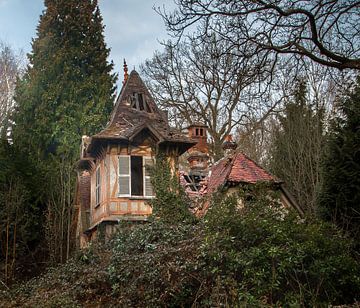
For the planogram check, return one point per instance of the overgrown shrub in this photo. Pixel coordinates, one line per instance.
(171, 203)
(252, 253)
(153, 264)
(277, 258)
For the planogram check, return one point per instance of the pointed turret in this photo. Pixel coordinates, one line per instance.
(136, 113)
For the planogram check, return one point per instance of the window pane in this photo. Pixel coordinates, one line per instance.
(124, 165)
(124, 187)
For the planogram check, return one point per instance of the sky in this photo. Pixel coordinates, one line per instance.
(132, 28)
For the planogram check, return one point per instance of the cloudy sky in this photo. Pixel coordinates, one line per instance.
(133, 29)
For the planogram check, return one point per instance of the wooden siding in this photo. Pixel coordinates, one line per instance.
(111, 206)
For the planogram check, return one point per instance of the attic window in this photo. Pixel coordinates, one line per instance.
(138, 102)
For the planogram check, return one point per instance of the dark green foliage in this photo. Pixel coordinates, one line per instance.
(253, 255)
(171, 203)
(67, 90)
(276, 258)
(153, 265)
(297, 148)
(80, 282)
(340, 194)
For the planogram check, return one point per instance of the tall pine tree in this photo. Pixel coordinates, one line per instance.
(340, 194)
(67, 91)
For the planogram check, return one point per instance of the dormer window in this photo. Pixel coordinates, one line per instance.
(138, 102)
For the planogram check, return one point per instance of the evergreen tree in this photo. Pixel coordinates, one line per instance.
(339, 198)
(297, 146)
(68, 88)
(66, 92)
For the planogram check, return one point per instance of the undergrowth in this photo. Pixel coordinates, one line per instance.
(240, 255)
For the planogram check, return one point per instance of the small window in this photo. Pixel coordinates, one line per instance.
(98, 186)
(140, 99)
(201, 132)
(196, 132)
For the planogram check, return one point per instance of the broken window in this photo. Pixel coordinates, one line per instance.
(138, 102)
(134, 176)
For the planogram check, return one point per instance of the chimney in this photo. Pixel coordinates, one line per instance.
(199, 153)
(229, 145)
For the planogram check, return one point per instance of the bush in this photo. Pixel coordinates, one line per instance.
(277, 258)
(171, 203)
(152, 264)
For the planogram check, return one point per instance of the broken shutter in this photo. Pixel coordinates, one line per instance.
(148, 190)
(124, 175)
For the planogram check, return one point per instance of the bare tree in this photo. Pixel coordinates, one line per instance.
(60, 211)
(10, 68)
(13, 199)
(198, 81)
(326, 32)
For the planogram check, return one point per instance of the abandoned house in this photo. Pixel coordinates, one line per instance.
(113, 182)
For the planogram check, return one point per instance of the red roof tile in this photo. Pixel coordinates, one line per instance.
(237, 168)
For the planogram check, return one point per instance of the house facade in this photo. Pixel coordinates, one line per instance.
(113, 178)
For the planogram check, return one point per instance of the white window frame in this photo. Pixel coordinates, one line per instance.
(145, 177)
(97, 186)
(124, 175)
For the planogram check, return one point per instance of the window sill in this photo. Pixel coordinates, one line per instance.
(136, 197)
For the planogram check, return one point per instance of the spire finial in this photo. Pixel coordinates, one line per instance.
(126, 75)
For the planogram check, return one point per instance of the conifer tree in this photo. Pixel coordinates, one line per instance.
(339, 198)
(68, 88)
(67, 91)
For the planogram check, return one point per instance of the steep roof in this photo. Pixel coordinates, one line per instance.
(237, 168)
(135, 110)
